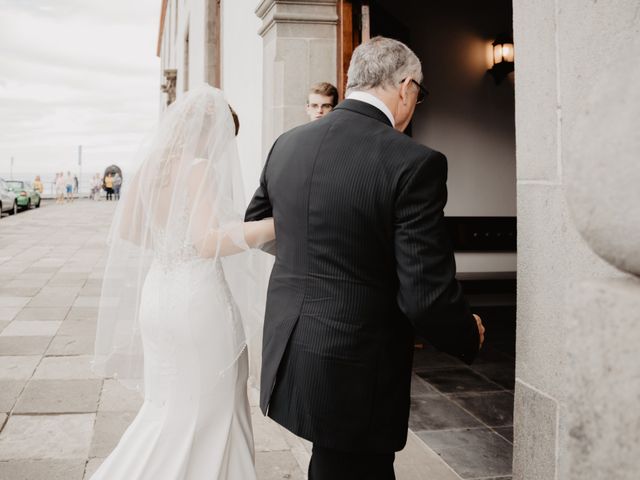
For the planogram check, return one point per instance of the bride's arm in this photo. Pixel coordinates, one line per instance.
(222, 244)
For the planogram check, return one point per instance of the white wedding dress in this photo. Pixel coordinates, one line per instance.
(176, 310)
(195, 421)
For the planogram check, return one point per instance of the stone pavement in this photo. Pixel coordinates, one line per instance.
(58, 420)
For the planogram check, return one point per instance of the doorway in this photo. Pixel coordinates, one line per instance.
(464, 413)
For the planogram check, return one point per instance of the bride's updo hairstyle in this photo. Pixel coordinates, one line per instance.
(236, 120)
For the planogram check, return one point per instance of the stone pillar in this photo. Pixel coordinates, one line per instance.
(299, 38)
(577, 118)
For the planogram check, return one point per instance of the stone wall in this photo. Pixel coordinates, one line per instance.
(577, 118)
(299, 50)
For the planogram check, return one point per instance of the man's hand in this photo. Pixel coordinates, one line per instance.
(480, 328)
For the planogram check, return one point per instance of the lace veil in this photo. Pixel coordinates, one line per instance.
(185, 203)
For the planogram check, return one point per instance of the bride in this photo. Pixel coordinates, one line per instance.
(176, 310)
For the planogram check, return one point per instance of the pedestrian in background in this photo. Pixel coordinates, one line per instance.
(69, 187)
(60, 187)
(117, 183)
(96, 186)
(37, 185)
(76, 186)
(108, 186)
(322, 98)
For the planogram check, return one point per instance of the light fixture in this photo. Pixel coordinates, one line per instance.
(503, 58)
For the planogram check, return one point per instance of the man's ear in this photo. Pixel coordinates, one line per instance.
(404, 90)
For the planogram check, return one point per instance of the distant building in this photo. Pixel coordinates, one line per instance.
(557, 152)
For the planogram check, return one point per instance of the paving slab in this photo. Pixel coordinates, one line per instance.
(71, 345)
(82, 313)
(277, 466)
(46, 437)
(59, 396)
(13, 290)
(85, 302)
(118, 398)
(266, 433)
(65, 368)
(78, 328)
(8, 313)
(52, 300)
(42, 470)
(35, 328)
(92, 466)
(23, 345)
(18, 367)
(13, 301)
(49, 314)
(109, 428)
(9, 392)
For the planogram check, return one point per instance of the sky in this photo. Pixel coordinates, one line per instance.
(76, 72)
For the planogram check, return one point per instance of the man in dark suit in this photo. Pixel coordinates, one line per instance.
(363, 263)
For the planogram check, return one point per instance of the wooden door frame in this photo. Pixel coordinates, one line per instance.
(349, 37)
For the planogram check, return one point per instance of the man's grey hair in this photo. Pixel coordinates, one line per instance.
(382, 62)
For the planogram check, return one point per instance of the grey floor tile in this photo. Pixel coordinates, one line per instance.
(420, 387)
(505, 432)
(429, 357)
(3, 324)
(473, 453)
(82, 313)
(31, 329)
(436, 412)
(51, 314)
(52, 300)
(18, 367)
(59, 396)
(452, 380)
(65, 368)
(42, 470)
(23, 345)
(277, 466)
(63, 437)
(108, 430)
(495, 409)
(8, 313)
(78, 328)
(14, 301)
(71, 345)
(92, 466)
(13, 290)
(9, 392)
(116, 397)
(500, 373)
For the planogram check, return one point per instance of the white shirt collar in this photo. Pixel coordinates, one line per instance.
(375, 101)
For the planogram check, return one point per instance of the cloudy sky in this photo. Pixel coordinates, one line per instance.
(76, 72)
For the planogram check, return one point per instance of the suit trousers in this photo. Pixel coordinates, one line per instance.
(328, 464)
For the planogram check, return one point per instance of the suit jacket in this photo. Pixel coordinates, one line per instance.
(363, 262)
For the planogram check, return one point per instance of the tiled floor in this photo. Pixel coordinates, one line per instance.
(465, 413)
(57, 419)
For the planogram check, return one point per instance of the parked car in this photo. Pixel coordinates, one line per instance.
(26, 195)
(8, 201)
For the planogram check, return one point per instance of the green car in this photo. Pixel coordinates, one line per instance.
(26, 195)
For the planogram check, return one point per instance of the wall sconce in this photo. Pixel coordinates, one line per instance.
(503, 58)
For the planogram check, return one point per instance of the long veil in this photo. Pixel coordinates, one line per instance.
(184, 204)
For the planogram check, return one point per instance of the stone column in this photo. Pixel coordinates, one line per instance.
(299, 38)
(577, 118)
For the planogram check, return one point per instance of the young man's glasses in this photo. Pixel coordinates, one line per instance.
(422, 92)
(325, 107)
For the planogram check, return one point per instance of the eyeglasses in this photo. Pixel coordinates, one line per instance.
(422, 92)
(325, 107)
